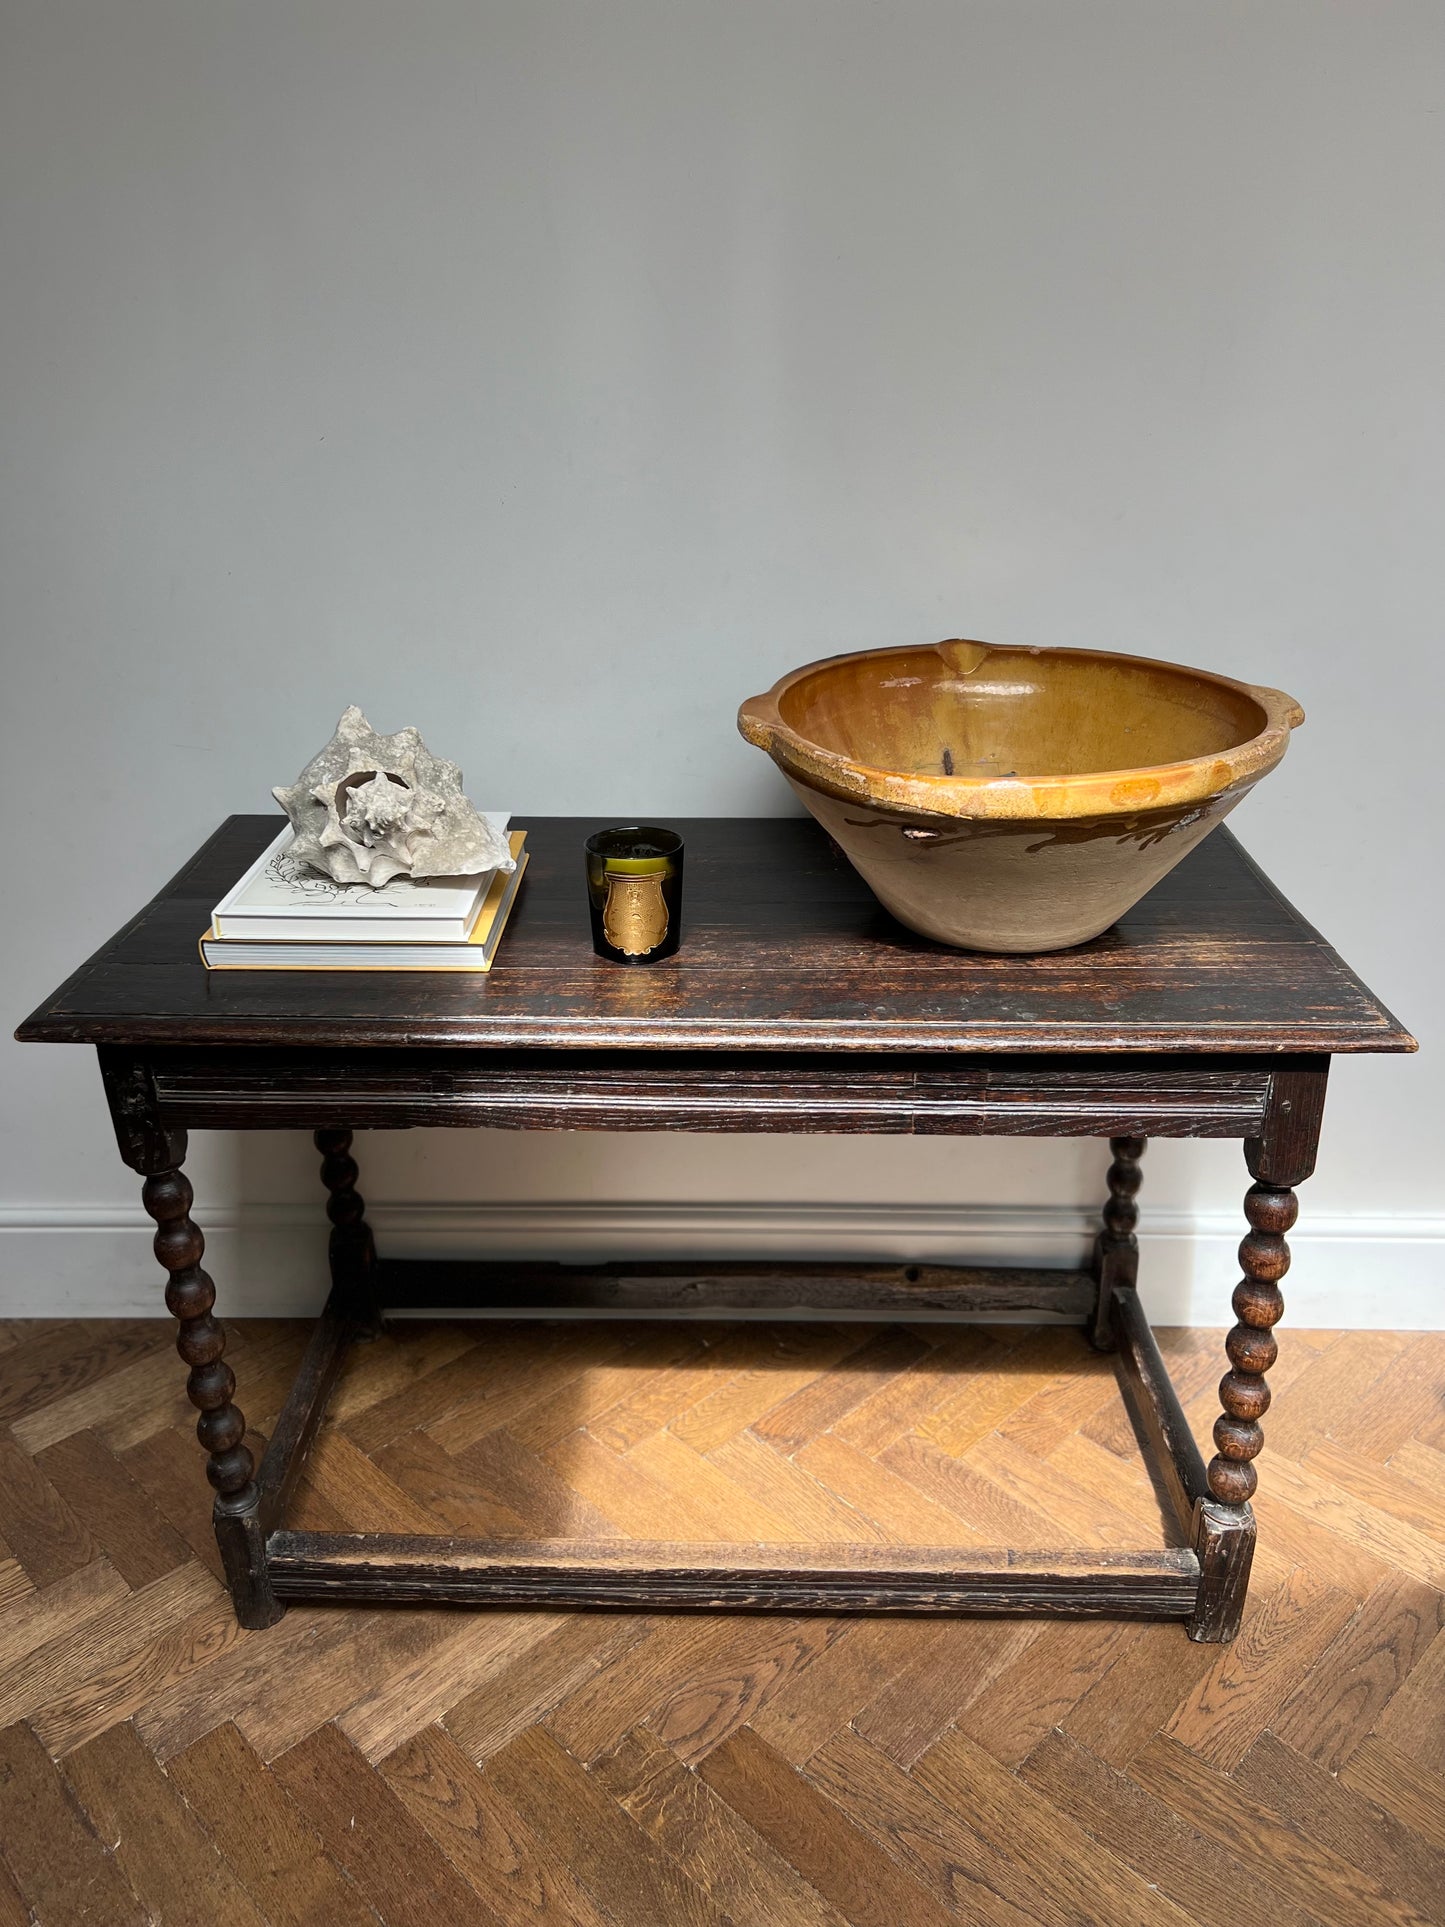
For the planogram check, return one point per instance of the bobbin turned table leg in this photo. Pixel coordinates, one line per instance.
(1116, 1249)
(1224, 1523)
(221, 1427)
(157, 1150)
(351, 1249)
(1258, 1305)
(1224, 1528)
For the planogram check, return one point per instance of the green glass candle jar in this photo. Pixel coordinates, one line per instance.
(634, 892)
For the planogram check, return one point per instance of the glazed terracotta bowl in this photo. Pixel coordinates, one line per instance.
(1015, 799)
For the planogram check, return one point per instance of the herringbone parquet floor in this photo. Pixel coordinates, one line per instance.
(437, 1768)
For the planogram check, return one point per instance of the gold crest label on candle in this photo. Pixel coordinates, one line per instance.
(634, 919)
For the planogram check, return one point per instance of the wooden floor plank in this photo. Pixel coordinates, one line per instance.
(494, 1358)
(734, 1865)
(59, 1863)
(539, 1679)
(132, 1673)
(951, 1664)
(943, 1374)
(164, 1466)
(1389, 1541)
(1407, 1396)
(515, 1870)
(280, 1664)
(119, 1514)
(691, 1678)
(464, 1659)
(1293, 1533)
(52, 1358)
(635, 1503)
(124, 1405)
(1413, 1720)
(105, 1640)
(1083, 1386)
(513, 1476)
(653, 1398)
(790, 1358)
(603, 1844)
(14, 1911)
(724, 1688)
(360, 1491)
(534, 1383)
(1281, 1637)
(275, 1853)
(1076, 1514)
(973, 1833)
(42, 1617)
(40, 1527)
(289, 1705)
(390, 1368)
(1038, 1688)
(1308, 1869)
(622, 1368)
(15, 1585)
(857, 1877)
(160, 1845)
(1337, 1702)
(1313, 1802)
(895, 1508)
(1420, 1463)
(1332, 1385)
(448, 1488)
(392, 1860)
(817, 1702)
(1202, 1877)
(1123, 1485)
(1416, 1502)
(608, 1701)
(1022, 1365)
(814, 1514)
(1152, 1675)
(1000, 1518)
(731, 1510)
(818, 1406)
(1400, 1786)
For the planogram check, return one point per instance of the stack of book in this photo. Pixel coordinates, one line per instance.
(282, 915)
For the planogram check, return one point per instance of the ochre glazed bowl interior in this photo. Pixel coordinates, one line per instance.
(1016, 799)
(965, 710)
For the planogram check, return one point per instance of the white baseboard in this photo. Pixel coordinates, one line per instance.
(269, 1260)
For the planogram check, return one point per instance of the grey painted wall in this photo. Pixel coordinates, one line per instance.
(553, 375)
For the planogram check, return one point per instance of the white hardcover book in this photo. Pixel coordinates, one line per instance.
(279, 899)
(476, 954)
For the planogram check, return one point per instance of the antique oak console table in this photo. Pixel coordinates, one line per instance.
(796, 1004)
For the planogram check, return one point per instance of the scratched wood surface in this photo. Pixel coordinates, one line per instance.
(157, 1764)
(784, 948)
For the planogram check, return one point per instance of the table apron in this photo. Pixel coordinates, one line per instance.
(708, 1092)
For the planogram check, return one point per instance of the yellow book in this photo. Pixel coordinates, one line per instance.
(249, 953)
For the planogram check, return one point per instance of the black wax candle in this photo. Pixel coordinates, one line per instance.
(634, 893)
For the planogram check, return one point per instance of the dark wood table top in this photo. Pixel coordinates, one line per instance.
(784, 948)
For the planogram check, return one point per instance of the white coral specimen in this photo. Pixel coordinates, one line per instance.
(368, 808)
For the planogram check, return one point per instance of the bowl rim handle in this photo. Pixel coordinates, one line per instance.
(1277, 704)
